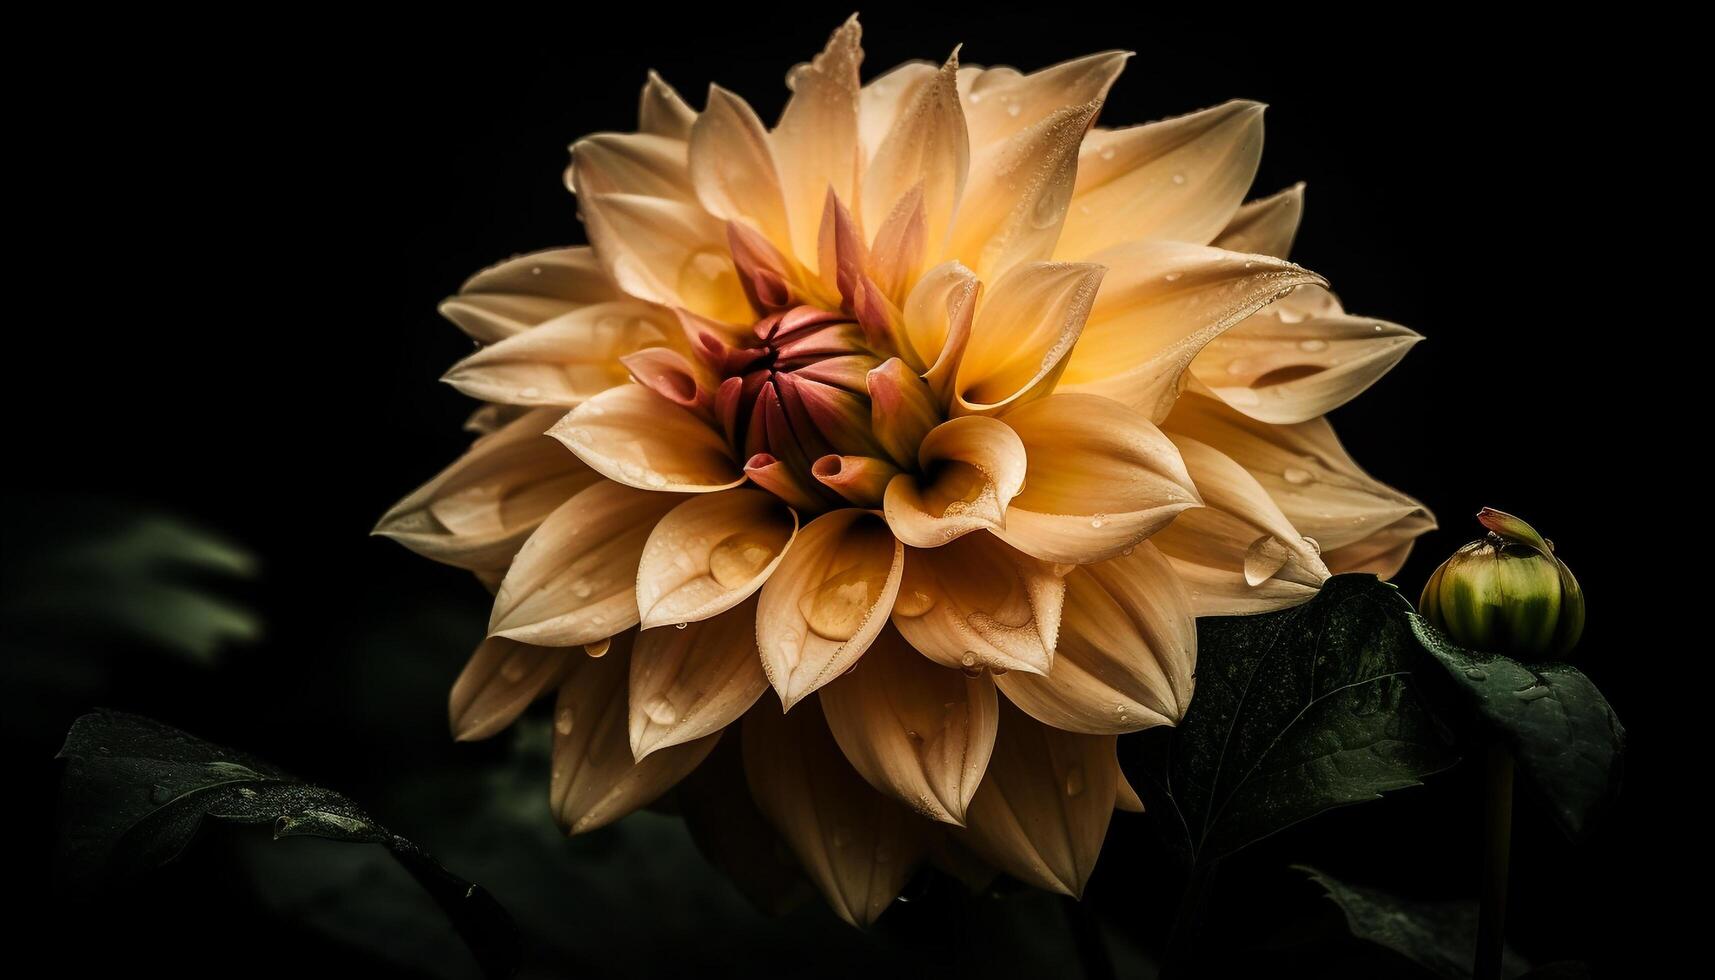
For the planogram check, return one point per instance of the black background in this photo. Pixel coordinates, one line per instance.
(242, 242)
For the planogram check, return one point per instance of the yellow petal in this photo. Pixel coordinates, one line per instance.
(937, 315)
(826, 602)
(501, 679)
(1237, 554)
(1015, 201)
(565, 360)
(1301, 357)
(1043, 808)
(977, 604)
(475, 513)
(885, 97)
(595, 781)
(521, 292)
(1102, 478)
(1000, 102)
(1125, 797)
(857, 845)
(1160, 304)
(1128, 645)
(733, 169)
(1382, 553)
(1265, 226)
(633, 436)
(917, 731)
(574, 581)
(1023, 334)
(926, 151)
(632, 163)
(691, 682)
(662, 112)
(1179, 179)
(710, 553)
(816, 143)
(665, 251)
(969, 470)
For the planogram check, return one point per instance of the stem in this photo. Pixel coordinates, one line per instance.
(1497, 852)
(1087, 937)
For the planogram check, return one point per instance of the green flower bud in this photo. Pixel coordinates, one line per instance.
(1506, 593)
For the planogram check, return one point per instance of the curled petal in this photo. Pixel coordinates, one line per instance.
(925, 151)
(826, 602)
(694, 681)
(565, 360)
(662, 111)
(861, 480)
(1301, 357)
(1043, 808)
(633, 436)
(674, 377)
(574, 581)
(1265, 226)
(977, 604)
(595, 780)
(1237, 554)
(917, 731)
(1024, 334)
(665, 251)
(902, 410)
(501, 679)
(783, 481)
(477, 511)
(969, 470)
(732, 167)
(857, 845)
(709, 554)
(513, 296)
(937, 320)
(1128, 645)
(816, 143)
(1102, 478)
(1161, 303)
(1179, 180)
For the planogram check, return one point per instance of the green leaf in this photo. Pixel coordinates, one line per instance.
(135, 793)
(1296, 712)
(1566, 740)
(1441, 937)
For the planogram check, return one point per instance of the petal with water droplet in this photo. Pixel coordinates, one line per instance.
(1265, 226)
(566, 360)
(978, 604)
(691, 682)
(632, 435)
(968, 470)
(733, 168)
(514, 296)
(711, 553)
(816, 143)
(1024, 331)
(502, 678)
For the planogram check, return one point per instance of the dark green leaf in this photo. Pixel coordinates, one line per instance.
(1441, 937)
(1296, 712)
(1566, 740)
(135, 793)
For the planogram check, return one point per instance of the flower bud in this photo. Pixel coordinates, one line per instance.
(1506, 593)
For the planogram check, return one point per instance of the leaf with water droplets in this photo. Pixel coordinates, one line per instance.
(135, 793)
(1296, 712)
(1568, 743)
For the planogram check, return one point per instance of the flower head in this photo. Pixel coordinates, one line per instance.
(935, 408)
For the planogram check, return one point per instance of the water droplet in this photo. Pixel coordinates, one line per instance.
(914, 736)
(968, 660)
(512, 671)
(913, 602)
(530, 392)
(1172, 276)
(535, 270)
(1099, 521)
(1179, 178)
(563, 721)
(661, 711)
(1075, 780)
(1312, 345)
(1476, 673)
(1312, 544)
(1297, 476)
(680, 626)
(1014, 109)
(1107, 153)
(582, 589)
(1533, 693)
(739, 558)
(1265, 556)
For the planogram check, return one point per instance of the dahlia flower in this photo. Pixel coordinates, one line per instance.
(936, 408)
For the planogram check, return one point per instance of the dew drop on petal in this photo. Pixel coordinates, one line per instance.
(839, 608)
(1298, 476)
(661, 711)
(513, 670)
(1312, 345)
(740, 557)
(1075, 780)
(1265, 556)
(563, 721)
(1179, 178)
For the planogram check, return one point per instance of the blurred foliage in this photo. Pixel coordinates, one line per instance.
(1437, 936)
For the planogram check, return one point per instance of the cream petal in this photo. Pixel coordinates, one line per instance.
(662, 112)
(826, 602)
(1015, 200)
(881, 102)
(937, 318)
(691, 682)
(1382, 553)
(968, 470)
(1043, 808)
(1318, 486)
(633, 436)
(1125, 797)
(896, 257)
(665, 251)
(816, 143)
(574, 581)
(1000, 102)
(1024, 333)
(477, 512)
(1179, 179)
(917, 731)
(565, 360)
(493, 418)
(733, 168)
(1159, 305)
(977, 604)
(1237, 554)
(518, 294)
(710, 553)
(1265, 226)
(595, 780)
(860, 480)
(1102, 478)
(925, 151)
(632, 163)
(1300, 358)
(502, 678)
(1128, 645)
(857, 845)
